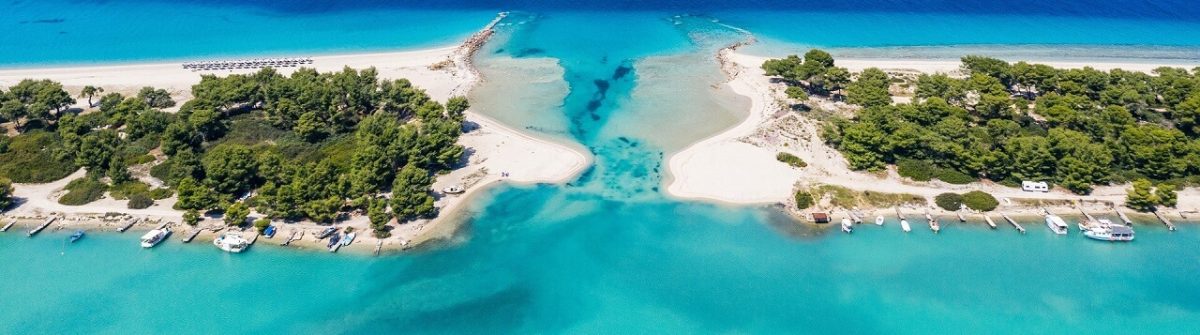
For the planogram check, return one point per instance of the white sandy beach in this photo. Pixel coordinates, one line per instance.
(739, 165)
(495, 148)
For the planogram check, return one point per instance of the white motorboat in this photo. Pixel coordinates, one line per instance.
(1056, 224)
(904, 225)
(231, 242)
(1111, 232)
(454, 189)
(348, 238)
(879, 220)
(154, 237)
(847, 225)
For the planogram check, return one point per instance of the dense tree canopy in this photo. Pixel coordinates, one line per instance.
(304, 146)
(1011, 122)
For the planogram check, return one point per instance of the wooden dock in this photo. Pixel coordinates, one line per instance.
(853, 218)
(1089, 217)
(9, 225)
(1124, 218)
(296, 236)
(128, 225)
(191, 236)
(989, 221)
(1165, 221)
(42, 226)
(378, 247)
(1013, 223)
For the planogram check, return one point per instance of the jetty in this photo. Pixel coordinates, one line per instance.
(128, 224)
(253, 238)
(191, 236)
(39, 228)
(378, 247)
(9, 225)
(1124, 218)
(1165, 221)
(1013, 223)
(1089, 217)
(296, 236)
(853, 217)
(989, 221)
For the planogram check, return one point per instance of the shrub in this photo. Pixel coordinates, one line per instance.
(795, 92)
(915, 169)
(261, 224)
(980, 201)
(949, 201)
(5, 193)
(791, 159)
(83, 191)
(953, 176)
(30, 158)
(161, 193)
(140, 201)
(804, 200)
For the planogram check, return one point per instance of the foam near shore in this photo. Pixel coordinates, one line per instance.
(497, 153)
(739, 164)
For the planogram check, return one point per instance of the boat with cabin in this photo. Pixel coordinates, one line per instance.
(231, 242)
(333, 240)
(1056, 224)
(1111, 232)
(454, 189)
(847, 225)
(904, 225)
(270, 231)
(76, 236)
(154, 237)
(879, 220)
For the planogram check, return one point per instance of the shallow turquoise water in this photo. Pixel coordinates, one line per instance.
(608, 252)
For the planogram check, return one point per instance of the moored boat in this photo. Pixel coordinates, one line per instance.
(270, 231)
(1111, 232)
(348, 239)
(1056, 224)
(154, 237)
(76, 236)
(327, 232)
(231, 242)
(333, 240)
(847, 225)
(904, 225)
(454, 189)
(934, 226)
(879, 220)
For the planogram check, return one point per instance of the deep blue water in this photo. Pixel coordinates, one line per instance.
(607, 252)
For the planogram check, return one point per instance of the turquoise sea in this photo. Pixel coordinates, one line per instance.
(608, 252)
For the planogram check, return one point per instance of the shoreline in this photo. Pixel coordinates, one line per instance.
(443, 72)
(738, 165)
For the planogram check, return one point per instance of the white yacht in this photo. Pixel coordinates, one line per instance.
(154, 237)
(1056, 224)
(231, 242)
(847, 225)
(1111, 232)
(879, 220)
(904, 225)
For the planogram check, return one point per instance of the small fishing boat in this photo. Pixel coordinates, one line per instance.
(879, 220)
(847, 225)
(76, 236)
(934, 226)
(270, 231)
(1056, 224)
(231, 242)
(348, 239)
(327, 232)
(454, 189)
(154, 237)
(904, 225)
(333, 240)
(1111, 232)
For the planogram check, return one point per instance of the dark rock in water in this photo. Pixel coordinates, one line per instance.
(602, 85)
(499, 51)
(621, 72)
(45, 21)
(592, 106)
(623, 139)
(529, 51)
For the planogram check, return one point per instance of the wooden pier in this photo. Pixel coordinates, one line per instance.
(254, 238)
(989, 221)
(296, 236)
(9, 225)
(128, 225)
(1013, 223)
(1124, 218)
(378, 247)
(191, 236)
(853, 218)
(42, 226)
(1165, 221)
(1089, 217)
